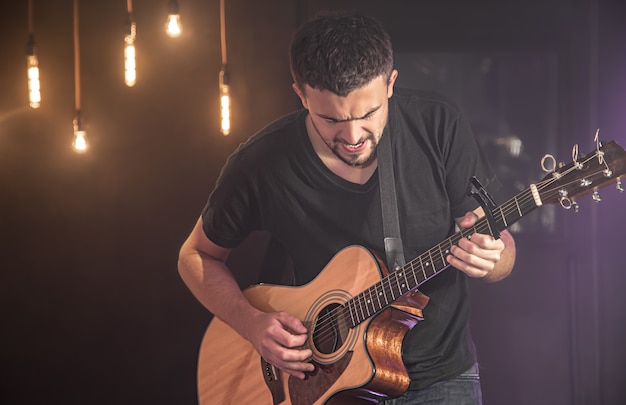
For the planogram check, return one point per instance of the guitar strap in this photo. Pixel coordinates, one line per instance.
(391, 224)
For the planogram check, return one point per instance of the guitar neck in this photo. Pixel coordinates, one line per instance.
(432, 262)
(607, 164)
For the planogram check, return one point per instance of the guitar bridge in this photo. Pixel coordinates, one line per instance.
(273, 380)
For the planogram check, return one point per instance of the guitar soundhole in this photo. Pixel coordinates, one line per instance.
(330, 330)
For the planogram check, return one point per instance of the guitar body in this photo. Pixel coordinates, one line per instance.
(363, 364)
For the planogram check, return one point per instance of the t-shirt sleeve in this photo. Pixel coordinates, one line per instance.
(230, 214)
(464, 158)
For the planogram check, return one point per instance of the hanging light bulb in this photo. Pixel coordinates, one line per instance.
(224, 77)
(224, 102)
(79, 142)
(130, 66)
(32, 63)
(173, 26)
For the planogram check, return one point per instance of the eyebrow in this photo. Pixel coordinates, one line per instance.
(370, 112)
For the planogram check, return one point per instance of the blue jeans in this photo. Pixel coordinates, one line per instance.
(464, 389)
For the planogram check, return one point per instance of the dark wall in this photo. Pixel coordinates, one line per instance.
(92, 308)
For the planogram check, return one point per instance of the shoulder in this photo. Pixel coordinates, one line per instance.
(425, 101)
(271, 141)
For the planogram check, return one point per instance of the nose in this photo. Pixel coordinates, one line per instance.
(352, 132)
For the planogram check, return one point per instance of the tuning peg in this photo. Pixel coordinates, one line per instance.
(596, 196)
(619, 186)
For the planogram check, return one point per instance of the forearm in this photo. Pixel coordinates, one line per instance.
(212, 283)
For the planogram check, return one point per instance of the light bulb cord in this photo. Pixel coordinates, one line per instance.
(31, 23)
(223, 32)
(76, 59)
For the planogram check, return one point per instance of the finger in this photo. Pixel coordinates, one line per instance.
(283, 336)
(470, 270)
(291, 323)
(292, 361)
(470, 260)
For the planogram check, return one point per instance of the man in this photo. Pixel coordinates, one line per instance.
(310, 179)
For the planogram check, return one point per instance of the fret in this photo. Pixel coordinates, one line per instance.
(406, 281)
(364, 305)
(352, 314)
(355, 307)
(447, 251)
(398, 287)
(430, 263)
(368, 302)
(414, 275)
(361, 307)
(422, 267)
(489, 226)
(503, 217)
(380, 305)
(383, 293)
(391, 291)
(443, 260)
(519, 210)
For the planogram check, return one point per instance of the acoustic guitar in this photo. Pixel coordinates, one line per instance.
(358, 318)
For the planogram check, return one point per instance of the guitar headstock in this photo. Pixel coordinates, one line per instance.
(586, 174)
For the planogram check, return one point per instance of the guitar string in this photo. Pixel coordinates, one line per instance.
(388, 281)
(328, 327)
(510, 207)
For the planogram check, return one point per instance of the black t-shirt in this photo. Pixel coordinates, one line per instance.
(275, 182)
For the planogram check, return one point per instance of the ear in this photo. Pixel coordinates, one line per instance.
(392, 80)
(301, 95)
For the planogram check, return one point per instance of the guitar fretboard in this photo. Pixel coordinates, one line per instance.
(592, 171)
(414, 273)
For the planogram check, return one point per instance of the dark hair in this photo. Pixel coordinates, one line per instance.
(340, 52)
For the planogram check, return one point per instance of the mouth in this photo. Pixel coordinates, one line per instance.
(354, 148)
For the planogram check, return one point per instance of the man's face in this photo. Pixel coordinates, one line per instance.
(350, 126)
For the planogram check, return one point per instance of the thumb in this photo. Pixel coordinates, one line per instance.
(468, 220)
(292, 324)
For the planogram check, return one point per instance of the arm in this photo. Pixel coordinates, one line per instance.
(482, 256)
(277, 336)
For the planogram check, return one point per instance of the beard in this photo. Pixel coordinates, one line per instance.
(359, 159)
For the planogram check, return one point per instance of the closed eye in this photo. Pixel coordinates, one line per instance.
(331, 120)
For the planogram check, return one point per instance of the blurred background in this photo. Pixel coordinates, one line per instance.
(91, 306)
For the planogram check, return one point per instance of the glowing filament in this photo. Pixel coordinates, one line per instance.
(79, 143)
(224, 104)
(173, 27)
(34, 93)
(130, 72)
(225, 113)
